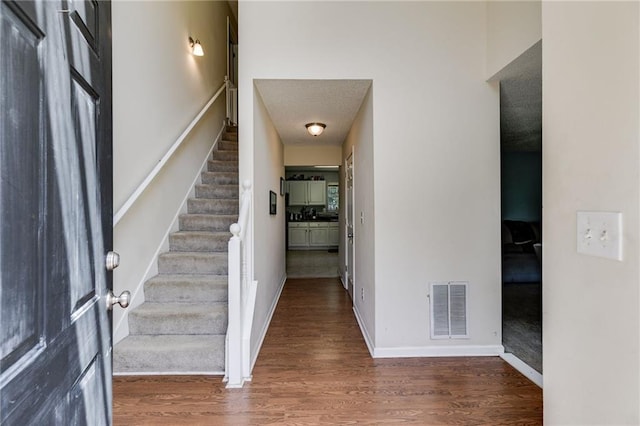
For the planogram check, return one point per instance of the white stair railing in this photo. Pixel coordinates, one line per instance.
(165, 158)
(232, 102)
(242, 296)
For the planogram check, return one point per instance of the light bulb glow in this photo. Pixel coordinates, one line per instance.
(197, 49)
(315, 129)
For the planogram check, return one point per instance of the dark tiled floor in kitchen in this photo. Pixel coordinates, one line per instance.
(312, 264)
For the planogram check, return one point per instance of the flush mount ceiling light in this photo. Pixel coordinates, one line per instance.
(196, 47)
(315, 129)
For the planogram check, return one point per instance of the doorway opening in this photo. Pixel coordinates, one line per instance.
(312, 202)
(521, 207)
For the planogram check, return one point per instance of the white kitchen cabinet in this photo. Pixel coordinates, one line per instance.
(298, 235)
(334, 234)
(298, 193)
(307, 193)
(310, 235)
(317, 193)
(318, 234)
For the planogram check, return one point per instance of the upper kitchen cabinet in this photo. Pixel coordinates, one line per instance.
(317, 193)
(307, 193)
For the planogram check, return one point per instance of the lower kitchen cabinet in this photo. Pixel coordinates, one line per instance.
(318, 234)
(334, 234)
(309, 235)
(298, 235)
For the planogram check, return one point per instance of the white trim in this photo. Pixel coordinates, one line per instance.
(170, 373)
(438, 351)
(121, 330)
(165, 158)
(523, 368)
(263, 332)
(363, 330)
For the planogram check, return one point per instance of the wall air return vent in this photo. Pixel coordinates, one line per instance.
(448, 306)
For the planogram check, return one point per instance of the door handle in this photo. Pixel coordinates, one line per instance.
(122, 300)
(350, 235)
(112, 261)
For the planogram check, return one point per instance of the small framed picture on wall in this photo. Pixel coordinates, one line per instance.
(273, 198)
(281, 186)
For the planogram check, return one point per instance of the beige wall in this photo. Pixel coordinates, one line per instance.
(512, 27)
(158, 88)
(312, 155)
(435, 158)
(359, 142)
(269, 230)
(591, 147)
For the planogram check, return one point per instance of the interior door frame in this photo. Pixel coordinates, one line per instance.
(350, 254)
(232, 39)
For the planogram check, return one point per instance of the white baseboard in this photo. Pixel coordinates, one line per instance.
(425, 351)
(263, 332)
(523, 368)
(438, 351)
(365, 334)
(342, 280)
(121, 329)
(171, 373)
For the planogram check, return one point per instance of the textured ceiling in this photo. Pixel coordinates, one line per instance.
(294, 103)
(521, 102)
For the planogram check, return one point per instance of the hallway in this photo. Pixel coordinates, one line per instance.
(314, 368)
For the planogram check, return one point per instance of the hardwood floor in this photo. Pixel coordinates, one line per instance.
(314, 368)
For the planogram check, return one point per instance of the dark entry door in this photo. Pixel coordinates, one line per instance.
(55, 212)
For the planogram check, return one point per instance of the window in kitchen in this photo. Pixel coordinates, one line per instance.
(333, 197)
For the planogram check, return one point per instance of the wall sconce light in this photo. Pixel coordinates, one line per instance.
(196, 47)
(315, 129)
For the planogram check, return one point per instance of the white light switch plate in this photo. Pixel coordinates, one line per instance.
(600, 234)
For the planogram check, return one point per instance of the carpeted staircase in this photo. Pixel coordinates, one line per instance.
(181, 326)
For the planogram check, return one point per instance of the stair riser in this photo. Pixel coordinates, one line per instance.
(183, 323)
(205, 206)
(217, 243)
(219, 178)
(217, 191)
(225, 155)
(205, 223)
(202, 358)
(228, 146)
(184, 293)
(173, 263)
(222, 166)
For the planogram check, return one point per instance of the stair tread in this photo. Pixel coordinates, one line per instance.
(216, 234)
(216, 200)
(221, 280)
(193, 254)
(181, 308)
(206, 221)
(207, 215)
(169, 288)
(218, 185)
(228, 174)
